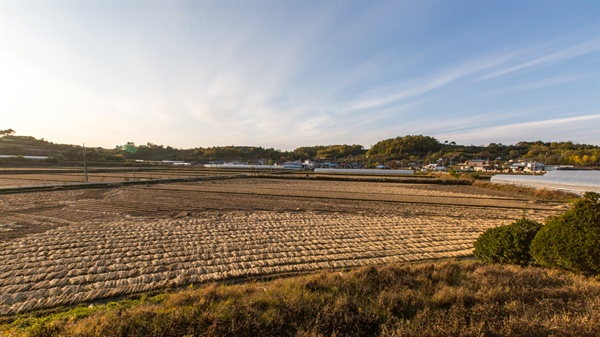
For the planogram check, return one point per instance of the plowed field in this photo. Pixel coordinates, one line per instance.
(67, 247)
(58, 177)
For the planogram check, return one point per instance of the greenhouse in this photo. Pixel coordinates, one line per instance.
(571, 181)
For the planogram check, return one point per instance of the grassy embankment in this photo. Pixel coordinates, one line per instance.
(535, 193)
(446, 298)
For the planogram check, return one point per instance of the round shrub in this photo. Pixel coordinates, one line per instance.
(507, 244)
(572, 240)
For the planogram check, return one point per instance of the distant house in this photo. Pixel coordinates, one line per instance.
(524, 166)
(478, 165)
(435, 167)
(535, 166)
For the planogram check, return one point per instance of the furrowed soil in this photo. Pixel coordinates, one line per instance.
(59, 177)
(67, 247)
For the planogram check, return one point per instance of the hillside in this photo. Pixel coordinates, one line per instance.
(399, 151)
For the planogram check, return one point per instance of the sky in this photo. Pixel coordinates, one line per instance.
(285, 74)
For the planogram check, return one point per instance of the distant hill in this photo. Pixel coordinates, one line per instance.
(401, 151)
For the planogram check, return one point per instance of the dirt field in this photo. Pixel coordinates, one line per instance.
(66, 247)
(66, 176)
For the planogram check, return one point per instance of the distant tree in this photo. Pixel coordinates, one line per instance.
(7, 132)
(403, 146)
(128, 148)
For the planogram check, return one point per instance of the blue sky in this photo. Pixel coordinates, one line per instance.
(285, 74)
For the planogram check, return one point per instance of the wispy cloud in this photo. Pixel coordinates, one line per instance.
(536, 84)
(557, 129)
(560, 55)
(473, 71)
(418, 86)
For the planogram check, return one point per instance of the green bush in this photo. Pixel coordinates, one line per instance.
(507, 244)
(572, 240)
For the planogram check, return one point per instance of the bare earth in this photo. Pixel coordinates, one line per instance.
(67, 247)
(58, 178)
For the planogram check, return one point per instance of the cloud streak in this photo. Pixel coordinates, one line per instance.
(560, 55)
(564, 129)
(486, 68)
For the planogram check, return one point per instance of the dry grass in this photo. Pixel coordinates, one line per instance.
(425, 299)
(354, 187)
(361, 191)
(64, 248)
(529, 192)
(73, 264)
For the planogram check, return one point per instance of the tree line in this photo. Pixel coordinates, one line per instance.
(400, 151)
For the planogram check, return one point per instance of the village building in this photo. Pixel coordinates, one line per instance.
(478, 165)
(524, 166)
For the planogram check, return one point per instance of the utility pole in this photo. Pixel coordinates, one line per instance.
(85, 165)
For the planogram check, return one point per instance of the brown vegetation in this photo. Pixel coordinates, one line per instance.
(62, 248)
(425, 299)
(528, 192)
(73, 264)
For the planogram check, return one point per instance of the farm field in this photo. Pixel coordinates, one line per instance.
(67, 247)
(33, 177)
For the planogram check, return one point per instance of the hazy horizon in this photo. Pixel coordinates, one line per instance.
(301, 73)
